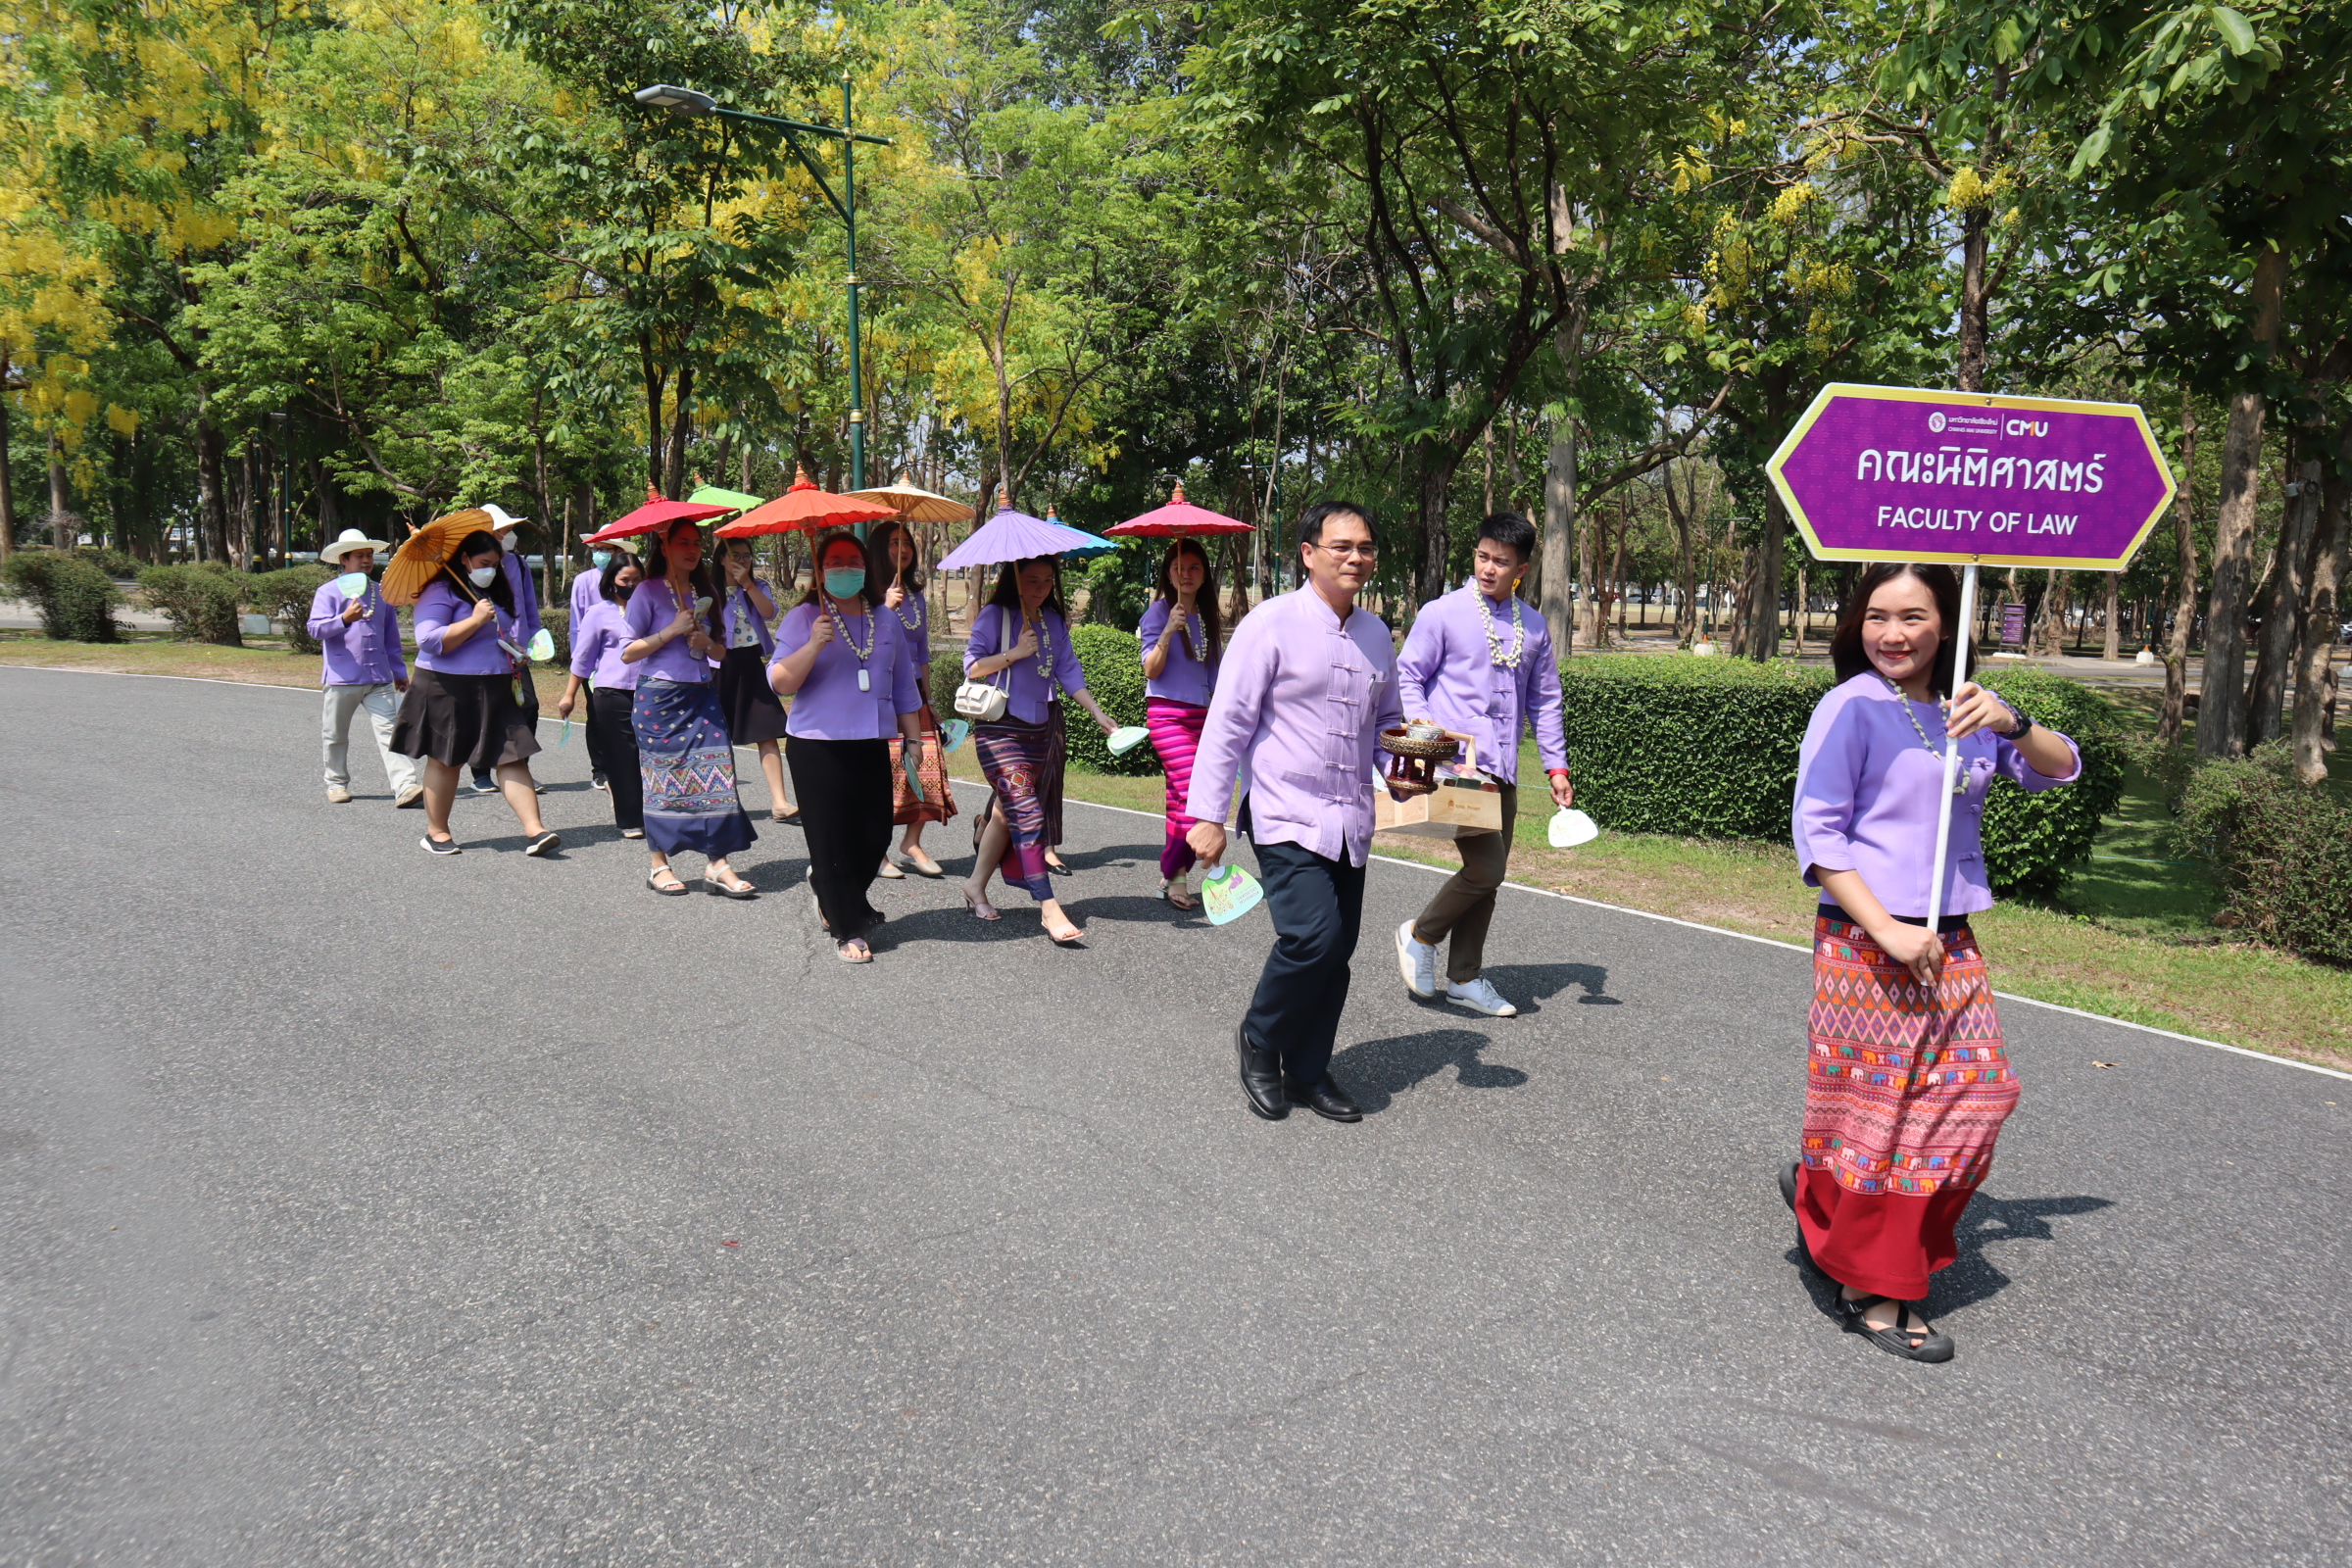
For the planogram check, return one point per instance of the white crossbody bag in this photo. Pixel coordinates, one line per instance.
(983, 701)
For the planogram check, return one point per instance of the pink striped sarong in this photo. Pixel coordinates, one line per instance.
(1176, 735)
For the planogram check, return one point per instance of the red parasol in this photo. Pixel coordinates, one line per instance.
(805, 505)
(1178, 517)
(655, 516)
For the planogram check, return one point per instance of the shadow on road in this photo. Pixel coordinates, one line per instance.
(1973, 1277)
(1530, 984)
(1375, 1071)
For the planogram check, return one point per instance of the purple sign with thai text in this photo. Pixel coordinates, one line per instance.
(1896, 473)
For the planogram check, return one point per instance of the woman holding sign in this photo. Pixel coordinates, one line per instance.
(1907, 1082)
(461, 709)
(847, 665)
(684, 757)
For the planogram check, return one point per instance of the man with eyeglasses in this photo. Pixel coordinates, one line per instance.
(1302, 694)
(1478, 662)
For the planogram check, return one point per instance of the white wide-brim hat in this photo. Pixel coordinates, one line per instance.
(351, 540)
(499, 515)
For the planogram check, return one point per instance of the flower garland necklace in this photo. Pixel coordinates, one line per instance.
(1960, 780)
(865, 681)
(1486, 618)
(899, 614)
(1045, 648)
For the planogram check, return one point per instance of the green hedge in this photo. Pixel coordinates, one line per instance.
(201, 602)
(557, 622)
(75, 599)
(2281, 849)
(1114, 673)
(1707, 748)
(285, 597)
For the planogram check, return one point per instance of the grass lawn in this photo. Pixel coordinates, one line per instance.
(2132, 935)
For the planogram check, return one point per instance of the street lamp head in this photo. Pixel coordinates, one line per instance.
(682, 100)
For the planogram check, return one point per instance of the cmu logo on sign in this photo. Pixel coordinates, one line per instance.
(1936, 421)
(2026, 428)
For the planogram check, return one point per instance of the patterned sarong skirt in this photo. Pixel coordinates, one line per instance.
(1906, 1088)
(1176, 735)
(688, 766)
(938, 803)
(1015, 757)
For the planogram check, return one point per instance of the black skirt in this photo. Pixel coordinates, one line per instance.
(753, 712)
(462, 721)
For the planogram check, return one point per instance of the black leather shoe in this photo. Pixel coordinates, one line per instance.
(1325, 1099)
(1261, 1077)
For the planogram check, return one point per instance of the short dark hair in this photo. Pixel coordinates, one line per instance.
(1510, 528)
(1846, 655)
(482, 542)
(608, 585)
(1312, 520)
(1007, 594)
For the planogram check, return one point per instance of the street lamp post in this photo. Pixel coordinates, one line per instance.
(686, 101)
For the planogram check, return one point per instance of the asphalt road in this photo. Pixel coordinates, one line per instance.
(360, 1208)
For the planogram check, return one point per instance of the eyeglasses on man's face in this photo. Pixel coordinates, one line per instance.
(1364, 549)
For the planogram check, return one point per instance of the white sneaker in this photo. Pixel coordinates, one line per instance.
(339, 795)
(1480, 996)
(1418, 960)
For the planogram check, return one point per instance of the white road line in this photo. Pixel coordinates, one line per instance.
(1419, 865)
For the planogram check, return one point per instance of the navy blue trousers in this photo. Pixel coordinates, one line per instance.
(1318, 906)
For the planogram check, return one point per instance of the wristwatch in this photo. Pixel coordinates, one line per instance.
(2024, 722)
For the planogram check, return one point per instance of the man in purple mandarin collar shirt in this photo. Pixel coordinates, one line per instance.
(1480, 662)
(1302, 694)
(359, 636)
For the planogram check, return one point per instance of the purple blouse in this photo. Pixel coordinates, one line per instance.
(736, 609)
(1028, 692)
(366, 653)
(597, 639)
(1183, 679)
(829, 706)
(526, 596)
(1866, 797)
(587, 592)
(1446, 672)
(652, 608)
(437, 609)
(918, 636)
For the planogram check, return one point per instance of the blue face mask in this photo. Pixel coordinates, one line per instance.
(600, 559)
(842, 582)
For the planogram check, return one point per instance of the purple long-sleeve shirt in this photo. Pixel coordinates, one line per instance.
(738, 611)
(587, 592)
(518, 568)
(1184, 679)
(829, 706)
(652, 608)
(437, 609)
(1027, 692)
(597, 639)
(1867, 789)
(366, 653)
(1301, 700)
(918, 636)
(1446, 672)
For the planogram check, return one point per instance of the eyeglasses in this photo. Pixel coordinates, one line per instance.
(1367, 549)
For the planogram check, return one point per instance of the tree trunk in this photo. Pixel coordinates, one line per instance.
(2222, 706)
(1558, 592)
(681, 427)
(2323, 608)
(60, 496)
(2282, 606)
(2054, 606)
(240, 544)
(1799, 618)
(1436, 463)
(2115, 618)
(2185, 600)
(1760, 609)
(1686, 563)
(8, 490)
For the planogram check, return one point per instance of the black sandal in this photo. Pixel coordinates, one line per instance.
(1896, 1340)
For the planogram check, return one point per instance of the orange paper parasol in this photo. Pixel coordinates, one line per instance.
(804, 506)
(655, 516)
(426, 551)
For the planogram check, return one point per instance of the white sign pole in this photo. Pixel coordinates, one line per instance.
(1951, 748)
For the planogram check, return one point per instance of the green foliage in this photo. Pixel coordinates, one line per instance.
(558, 622)
(200, 601)
(1114, 597)
(1708, 749)
(2281, 849)
(116, 563)
(285, 597)
(1114, 673)
(75, 599)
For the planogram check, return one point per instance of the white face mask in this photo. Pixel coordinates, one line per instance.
(506, 541)
(483, 576)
